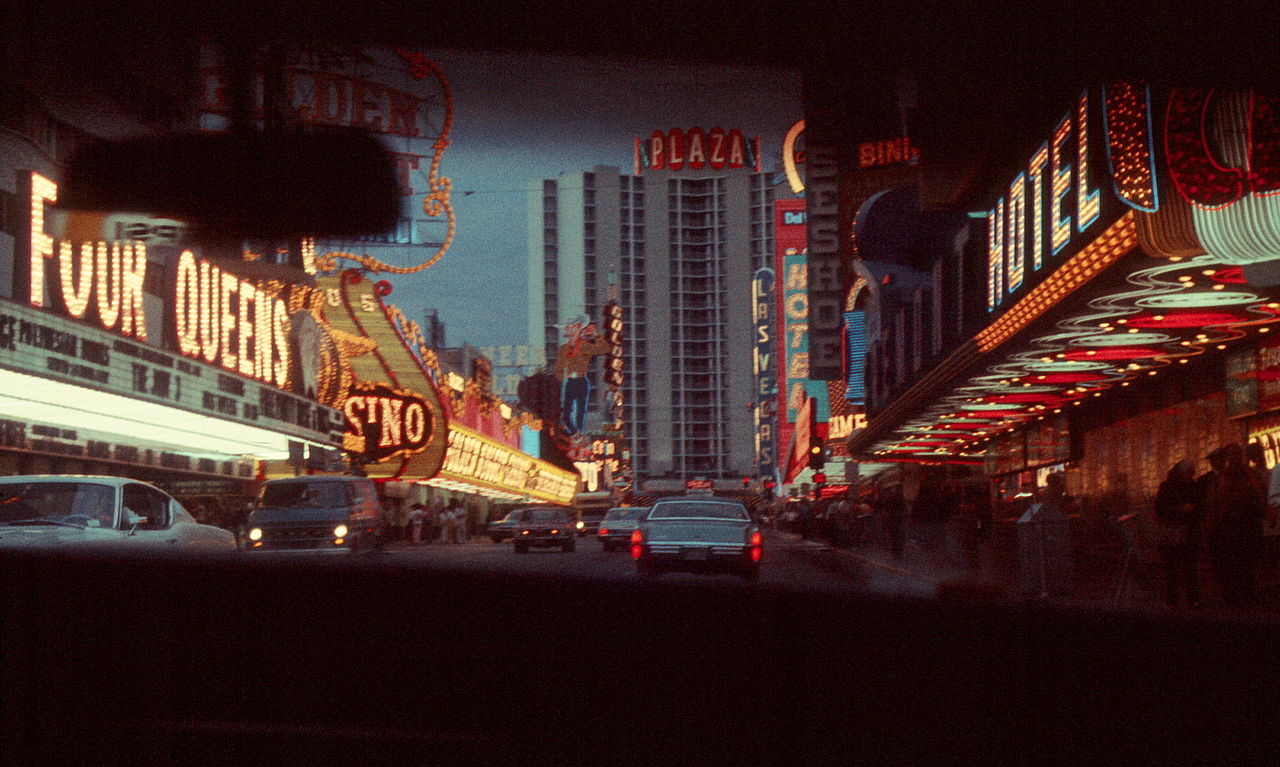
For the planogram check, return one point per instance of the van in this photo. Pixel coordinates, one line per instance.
(315, 513)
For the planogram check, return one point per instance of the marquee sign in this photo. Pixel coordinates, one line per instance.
(391, 422)
(697, 149)
(474, 458)
(394, 414)
(218, 317)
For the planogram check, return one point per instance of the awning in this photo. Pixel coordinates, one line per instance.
(477, 464)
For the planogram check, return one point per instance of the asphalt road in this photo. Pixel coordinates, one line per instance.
(789, 563)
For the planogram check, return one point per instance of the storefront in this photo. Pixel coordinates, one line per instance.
(1130, 288)
(141, 358)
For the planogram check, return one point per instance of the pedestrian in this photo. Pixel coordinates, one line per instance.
(1234, 505)
(1178, 520)
(433, 523)
(417, 518)
(893, 518)
(446, 523)
(460, 514)
(929, 514)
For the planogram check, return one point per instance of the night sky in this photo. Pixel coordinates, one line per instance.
(520, 117)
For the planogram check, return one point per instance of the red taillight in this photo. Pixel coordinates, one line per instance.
(604, 531)
(637, 536)
(757, 539)
(637, 543)
(757, 546)
(756, 553)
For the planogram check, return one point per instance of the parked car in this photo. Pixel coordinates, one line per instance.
(499, 530)
(697, 534)
(93, 511)
(544, 527)
(315, 513)
(618, 524)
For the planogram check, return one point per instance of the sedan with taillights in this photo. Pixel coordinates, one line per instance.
(697, 534)
(546, 528)
(618, 525)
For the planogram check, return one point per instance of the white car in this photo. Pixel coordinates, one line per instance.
(86, 511)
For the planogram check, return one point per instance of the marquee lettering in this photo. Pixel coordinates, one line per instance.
(696, 148)
(1065, 159)
(109, 276)
(229, 322)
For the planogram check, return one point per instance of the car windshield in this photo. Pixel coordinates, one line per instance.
(699, 510)
(546, 516)
(308, 494)
(616, 515)
(85, 503)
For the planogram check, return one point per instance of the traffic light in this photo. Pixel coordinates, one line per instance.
(769, 485)
(820, 478)
(817, 453)
(746, 482)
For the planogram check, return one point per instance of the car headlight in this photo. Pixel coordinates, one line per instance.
(581, 524)
(340, 531)
(255, 534)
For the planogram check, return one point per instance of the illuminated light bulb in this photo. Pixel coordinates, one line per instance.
(1186, 343)
(1264, 330)
(1158, 318)
(1133, 330)
(1273, 306)
(1090, 353)
(1175, 259)
(1124, 383)
(1182, 361)
(1122, 321)
(1151, 373)
(1208, 272)
(1222, 346)
(1219, 287)
(1097, 394)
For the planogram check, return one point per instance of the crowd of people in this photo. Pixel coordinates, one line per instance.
(452, 522)
(881, 515)
(1224, 513)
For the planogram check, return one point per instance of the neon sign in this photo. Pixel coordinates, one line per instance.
(696, 149)
(391, 422)
(107, 276)
(1073, 205)
(228, 321)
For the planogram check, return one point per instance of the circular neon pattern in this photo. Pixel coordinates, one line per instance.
(1063, 366)
(1184, 320)
(1028, 397)
(1122, 339)
(1069, 378)
(1117, 353)
(1198, 299)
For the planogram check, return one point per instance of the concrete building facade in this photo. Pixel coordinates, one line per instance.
(677, 251)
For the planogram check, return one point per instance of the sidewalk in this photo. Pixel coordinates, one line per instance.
(1096, 577)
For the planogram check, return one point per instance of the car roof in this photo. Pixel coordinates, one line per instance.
(698, 499)
(96, 479)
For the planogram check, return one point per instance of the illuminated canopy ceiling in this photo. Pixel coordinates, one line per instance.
(41, 400)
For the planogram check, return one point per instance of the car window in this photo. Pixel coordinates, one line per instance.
(546, 516)
(313, 494)
(696, 510)
(146, 507)
(76, 502)
(615, 515)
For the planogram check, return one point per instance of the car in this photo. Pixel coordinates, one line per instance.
(39, 510)
(336, 513)
(499, 530)
(697, 534)
(617, 526)
(589, 521)
(544, 527)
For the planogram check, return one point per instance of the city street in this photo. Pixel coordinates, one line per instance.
(789, 563)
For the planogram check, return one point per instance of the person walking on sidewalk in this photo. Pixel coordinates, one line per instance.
(893, 518)
(1178, 516)
(1235, 503)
